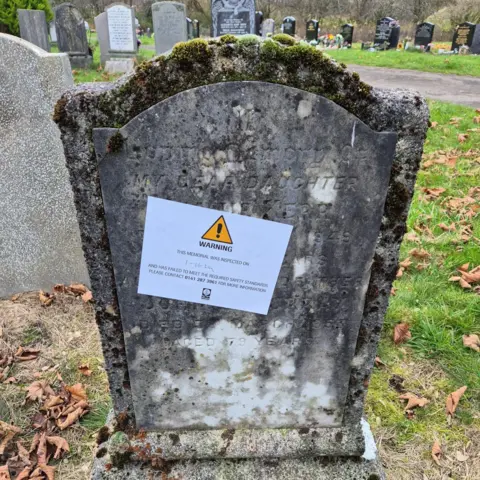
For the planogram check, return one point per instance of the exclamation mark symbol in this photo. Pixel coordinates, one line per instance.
(219, 229)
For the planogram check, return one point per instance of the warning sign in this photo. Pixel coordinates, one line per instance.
(218, 232)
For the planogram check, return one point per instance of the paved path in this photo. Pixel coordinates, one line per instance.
(448, 88)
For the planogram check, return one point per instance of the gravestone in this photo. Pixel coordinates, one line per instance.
(39, 238)
(312, 31)
(268, 27)
(189, 28)
(228, 391)
(122, 37)
(196, 29)
(424, 34)
(463, 35)
(475, 48)
(169, 25)
(101, 27)
(387, 32)
(53, 32)
(236, 17)
(258, 22)
(346, 31)
(33, 27)
(71, 35)
(289, 26)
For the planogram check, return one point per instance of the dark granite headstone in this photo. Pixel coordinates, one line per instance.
(196, 29)
(289, 26)
(347, 33)
(258, 22)
(475, 48)
(209, 384)
(236, 17)
(33, 27)
(424, 33)
(189, 28)
(463, 35)
(387, 32)
(71, 34)
(312, 30)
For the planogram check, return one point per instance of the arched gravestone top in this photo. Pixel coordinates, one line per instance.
(196, 64)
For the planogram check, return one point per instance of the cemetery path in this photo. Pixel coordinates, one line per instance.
(458, 89)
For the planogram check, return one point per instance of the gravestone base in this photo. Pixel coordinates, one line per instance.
(125, 65)
(80, 61)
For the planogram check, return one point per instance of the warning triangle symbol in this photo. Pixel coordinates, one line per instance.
(218, 232)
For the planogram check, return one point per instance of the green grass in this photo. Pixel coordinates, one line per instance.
(439, 312)
(413, 60)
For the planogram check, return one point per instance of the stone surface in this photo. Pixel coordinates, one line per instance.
(233, 16)
(169, 25)
(289, 26)
(39, 237)
(475, 48)
(387, 31)
(122, 35)
(463, 35)
(311, 31)
(268, 27)
(424, 33)
(153, 87)
(53, 32)
(33, 27)
(347, 33)
(71, 35)
(101, 27)
(120, 66)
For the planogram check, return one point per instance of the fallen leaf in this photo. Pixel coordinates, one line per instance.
(24, 474)
(453, 399)
(406, 263)
(447, 228)
(10, 380)
(432, 193)
(85, 370)
(412, 237)
(46, 469)
(464, 267)
(401, 333)
(4, 474)
(59, 287)
(461, 457)
(71, 418)
(472, 341)
(23, 454)
(42, 449)
(400, 272)
(9, 431)
(419, 253)
(52, 401)
(379, 363)
(462, 137)
(464, 284)
(78, 392)
(78, 288)
(15, 297)
(46, 298)
(61, 444)
(476, 119)
(87, 296)
(433, 124)
(24, 354)
(393, 291)
(436, 452)
(413, 401)
(38, 390)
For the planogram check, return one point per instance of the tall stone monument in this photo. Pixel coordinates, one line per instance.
(33, 27)
(244, 261)
(236, 17)
(169, 25)
(101, 27)
(71, 35)
(39, 238)
(122, 37)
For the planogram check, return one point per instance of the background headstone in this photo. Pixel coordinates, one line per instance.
(347, 33)
(424, 33)
(268, 27)
(463, 35)
(312, 31)
(387, 31)
(127, 65)
(71, 35)
(233, 16)
(122, 37)
(33, 27)
(258, 22)
(101, 27)
(169, 25)
(196, 29)
(39, 237)
(189, 28)
(53, 32)
(289, 26)
(475, 49)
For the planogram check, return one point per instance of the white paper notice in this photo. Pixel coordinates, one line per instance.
(207, 256)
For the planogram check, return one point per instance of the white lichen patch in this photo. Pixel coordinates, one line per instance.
(300, 267)
(304, 109)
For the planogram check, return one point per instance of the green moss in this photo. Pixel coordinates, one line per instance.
(227, 39)
(194, 51)
(284, 39)
(247, 40)
(115, 143)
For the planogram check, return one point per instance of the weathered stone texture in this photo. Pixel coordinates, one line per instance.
(33, 27)
(169, 25)
(39, 237)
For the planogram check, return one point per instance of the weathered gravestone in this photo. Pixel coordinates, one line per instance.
(288, 26)
(237, 17)
(33, 27)
(122, 37)
(258, 22)
(268, 27)
(424, 34)
(312, 31)
(53, 32)
(196, 28)
(281, 393)
(387, 32)
(346, 31)
(101, 27)
(463, 35)
(71, 35)
(39, 238)
(189, 28)
(475, 48)
(169, 25)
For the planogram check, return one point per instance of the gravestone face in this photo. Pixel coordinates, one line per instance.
(268, 27)
(38, 248)
(312, 30)
(101, 27)
(33, 27)
(347, 33)
(236, 17)
(475, 48)
(169, 25)
(189, 28)
(122, 37)
(196, 29)
(71, 34)
(258, 22)
(209, 383)
(424, 33)
(388, 31)
(53, 32)
(289, 24)
(463, 35)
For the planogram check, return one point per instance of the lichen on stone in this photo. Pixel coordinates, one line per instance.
(115, 143)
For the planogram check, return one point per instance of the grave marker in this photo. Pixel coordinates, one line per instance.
(237, 17)
(33, 27)
(387, 32)
(209, 384)
(101, 27)
(346, 31)
(424, 33)
(463, 35)
(122, 37)
(268, 27)
(169, 25)
(189, 28)
(196, 29)
(312, 31)
(53, 32)
(258, 22)
(475, 48)
(289, 26)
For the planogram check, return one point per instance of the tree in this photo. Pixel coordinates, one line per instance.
(8, 12)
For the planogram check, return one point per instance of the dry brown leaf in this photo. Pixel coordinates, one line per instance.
(46, 298)
(4, 474)
(24, 474)
(85, 370)
(473, 276)
(412, 237)
(464, 267)
(78, 288)
(78, 392)
(24, 354)
(464, 284)
(60, 443)
(453, 399)
(462, 137)
(419, 253)
(393, 291)
(400, 272)
(15, 297)
(436, 452)
(406, 263)
(42, 449)
(38, 390)
(71, 418)
(433, 124)
(379, 363)
(413, 401)
(43, 469)
(476, 119)
(8, 432)
(10, 380)
(401, 333)
(447, 228)
(472, 341)
(52, 401)
(87, 296)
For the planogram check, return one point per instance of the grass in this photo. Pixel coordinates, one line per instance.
(410, 59)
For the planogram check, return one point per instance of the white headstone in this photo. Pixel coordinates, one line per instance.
(169, 25)
(121, 28)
